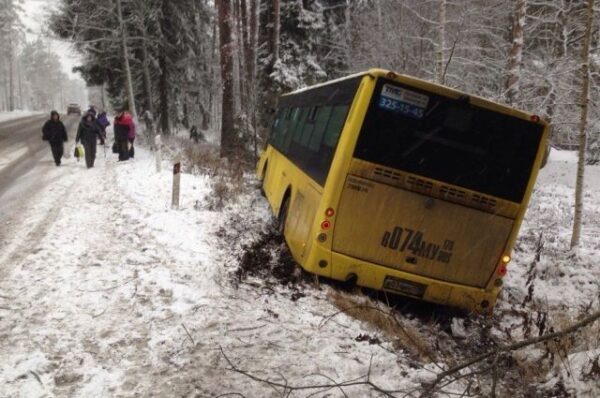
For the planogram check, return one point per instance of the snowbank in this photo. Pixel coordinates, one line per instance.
(6, 116)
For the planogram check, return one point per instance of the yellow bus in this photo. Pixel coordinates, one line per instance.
(402, 185)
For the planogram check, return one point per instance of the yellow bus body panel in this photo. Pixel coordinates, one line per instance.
(352, 247)
(416, 233)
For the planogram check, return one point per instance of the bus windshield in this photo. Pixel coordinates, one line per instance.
(449, 140)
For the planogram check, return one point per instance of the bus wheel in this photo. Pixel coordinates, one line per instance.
(283, 214)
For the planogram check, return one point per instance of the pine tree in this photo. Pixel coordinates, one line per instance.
(228, 133)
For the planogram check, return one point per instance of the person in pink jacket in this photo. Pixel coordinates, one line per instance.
(124, 128)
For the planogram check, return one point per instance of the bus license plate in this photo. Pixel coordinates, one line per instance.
(405, 287)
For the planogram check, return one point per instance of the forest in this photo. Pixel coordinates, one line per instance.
(31, 76)
(220, 65)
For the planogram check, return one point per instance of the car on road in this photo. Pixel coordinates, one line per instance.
(74, 109)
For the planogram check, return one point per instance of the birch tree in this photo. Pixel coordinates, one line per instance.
(439, 54)
(125, 50)
(585, 86)
(516, 52)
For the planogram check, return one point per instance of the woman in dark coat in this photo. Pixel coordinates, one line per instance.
(88, 132)
(55, 133)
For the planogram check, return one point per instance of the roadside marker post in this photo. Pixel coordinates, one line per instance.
(176, 183)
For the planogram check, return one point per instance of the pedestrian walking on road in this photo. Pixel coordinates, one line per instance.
(92, 110)
(124, 128)
(55, 133)
(103, 123)
(88, 133)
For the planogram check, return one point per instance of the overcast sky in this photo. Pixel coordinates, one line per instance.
(35, 17)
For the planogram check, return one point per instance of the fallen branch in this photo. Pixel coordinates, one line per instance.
(189, 335)
(509, 348)
(287, 388)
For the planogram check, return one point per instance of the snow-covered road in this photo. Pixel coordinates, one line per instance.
(26, 167)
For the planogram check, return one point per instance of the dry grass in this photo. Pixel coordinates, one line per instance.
(534, 366)
(403, 335)
(226, 176)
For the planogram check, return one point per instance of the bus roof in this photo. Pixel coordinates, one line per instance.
(340, 79)
(427, 85)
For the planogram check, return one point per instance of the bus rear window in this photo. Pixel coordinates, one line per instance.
(449, 140)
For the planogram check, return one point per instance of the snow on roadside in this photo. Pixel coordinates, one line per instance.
(263, 332)
(123, 296)
(7, 116)
(548, 286)
(120, 295)
(559, 279)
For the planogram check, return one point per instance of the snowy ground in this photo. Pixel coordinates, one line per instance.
(103, 279)
(6, 116)
(106, 291)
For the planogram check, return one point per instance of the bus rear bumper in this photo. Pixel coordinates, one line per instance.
(388, 279)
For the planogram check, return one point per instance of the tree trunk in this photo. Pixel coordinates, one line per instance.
(228, 134)
(163, 88)
(125, 49)
(268, 36)
(240, 26)
(276, 25)
(516, 52)
(103, 95)
(251, 61)
(211, 107)
(20, 81)
(163, 63)
(251, 66)
(146, 75)
(585, 87)
(11, 79)
(439, 53)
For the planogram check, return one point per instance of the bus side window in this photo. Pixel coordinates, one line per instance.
(277, 129)
(335, 125)
(291, 127)
(293, 148)
(321, 120)
(333, 121)
(309, 126)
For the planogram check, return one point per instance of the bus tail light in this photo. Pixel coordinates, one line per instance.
(326, 225)
(505, 259)
(322, 237)
(502, 270)
(535, 118)
(329, 212)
